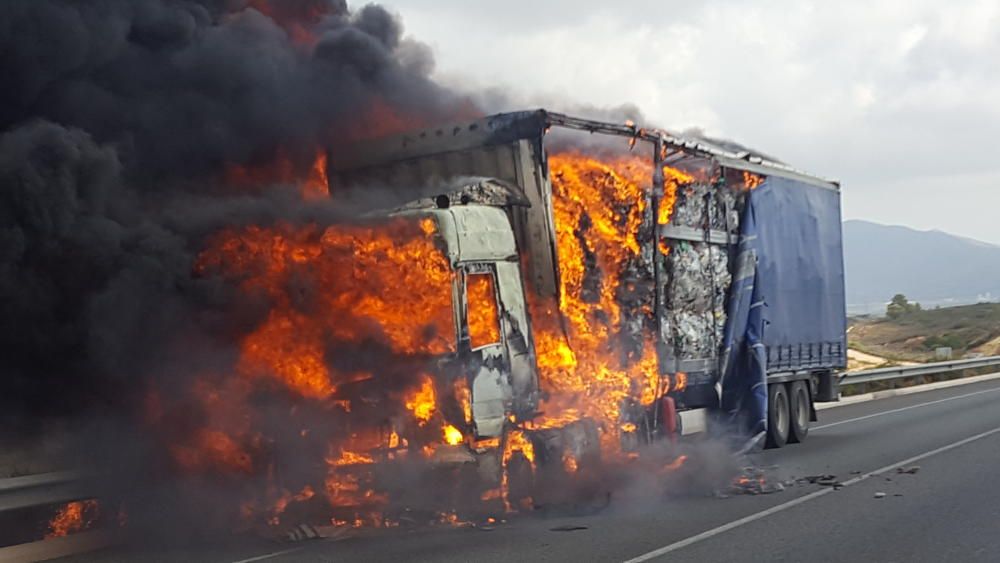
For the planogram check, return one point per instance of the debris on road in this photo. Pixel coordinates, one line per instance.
(568, 528)
(880, 494)
(304, 532)
(751, 481)
(908, 470)
(824, 480)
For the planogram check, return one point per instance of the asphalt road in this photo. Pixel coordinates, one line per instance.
(948, 511)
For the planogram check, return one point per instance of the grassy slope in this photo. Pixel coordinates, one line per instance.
(973, 328)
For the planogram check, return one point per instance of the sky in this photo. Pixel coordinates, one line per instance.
(898, 100)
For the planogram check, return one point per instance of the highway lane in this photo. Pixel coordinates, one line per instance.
(947, 511)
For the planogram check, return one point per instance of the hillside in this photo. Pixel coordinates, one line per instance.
(969, 328)
(927, 266)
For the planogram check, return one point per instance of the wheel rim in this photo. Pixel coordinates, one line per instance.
(801, 409)
(781, 415)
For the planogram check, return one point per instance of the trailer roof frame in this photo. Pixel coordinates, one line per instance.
(510, 126)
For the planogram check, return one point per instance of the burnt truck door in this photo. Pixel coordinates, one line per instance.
(497, 340)
(519, 340)
(483, 344)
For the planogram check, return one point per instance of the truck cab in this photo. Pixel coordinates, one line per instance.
(495, 350)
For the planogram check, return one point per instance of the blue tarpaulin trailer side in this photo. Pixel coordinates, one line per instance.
(787, 306)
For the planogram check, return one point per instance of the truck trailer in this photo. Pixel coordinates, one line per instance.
(728, 307)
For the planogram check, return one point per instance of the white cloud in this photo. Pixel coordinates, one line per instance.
(910, 38)
(883, 95)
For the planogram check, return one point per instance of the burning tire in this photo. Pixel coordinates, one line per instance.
(799, 409)
(520, 481)
(778, 415)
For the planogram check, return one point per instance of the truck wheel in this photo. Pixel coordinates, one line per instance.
(520, 480)
(799, 402)
(778, 415)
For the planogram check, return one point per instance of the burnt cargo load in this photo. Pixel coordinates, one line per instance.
(736, 277)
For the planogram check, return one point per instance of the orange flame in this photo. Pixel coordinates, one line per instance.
(675, 464)
(73, 517)
(388, 283)
(213, 450)
(284, 500)
(281, 169)
(599, 208)
(452, 519)
(299, 22)
(751, 180)
(453, 436)
(672, 179)
(569, 462)
(464, 397)
(680, 381)
(518, 442)
(484, 319)
(422, 402)
(350, 458)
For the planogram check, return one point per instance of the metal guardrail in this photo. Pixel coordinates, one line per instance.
(50, 489)
(42, 489)
(900, 372)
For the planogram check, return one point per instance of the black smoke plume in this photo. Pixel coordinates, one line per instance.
(118, 120)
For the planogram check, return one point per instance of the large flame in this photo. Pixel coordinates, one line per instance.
(600, 207)
(329, 291)
(388, 287)
(388, 283)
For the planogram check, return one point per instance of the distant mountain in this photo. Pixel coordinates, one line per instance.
(927, 266)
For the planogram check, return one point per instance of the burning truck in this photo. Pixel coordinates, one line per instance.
(608, 293)
(569, 293)
(570, 296)
(711, 279)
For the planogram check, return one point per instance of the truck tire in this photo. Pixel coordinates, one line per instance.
(778, 415)
(520, 480)
(800, 411)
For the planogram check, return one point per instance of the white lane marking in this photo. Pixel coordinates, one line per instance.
(270, 555)
(795, 502)
(917, 406)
